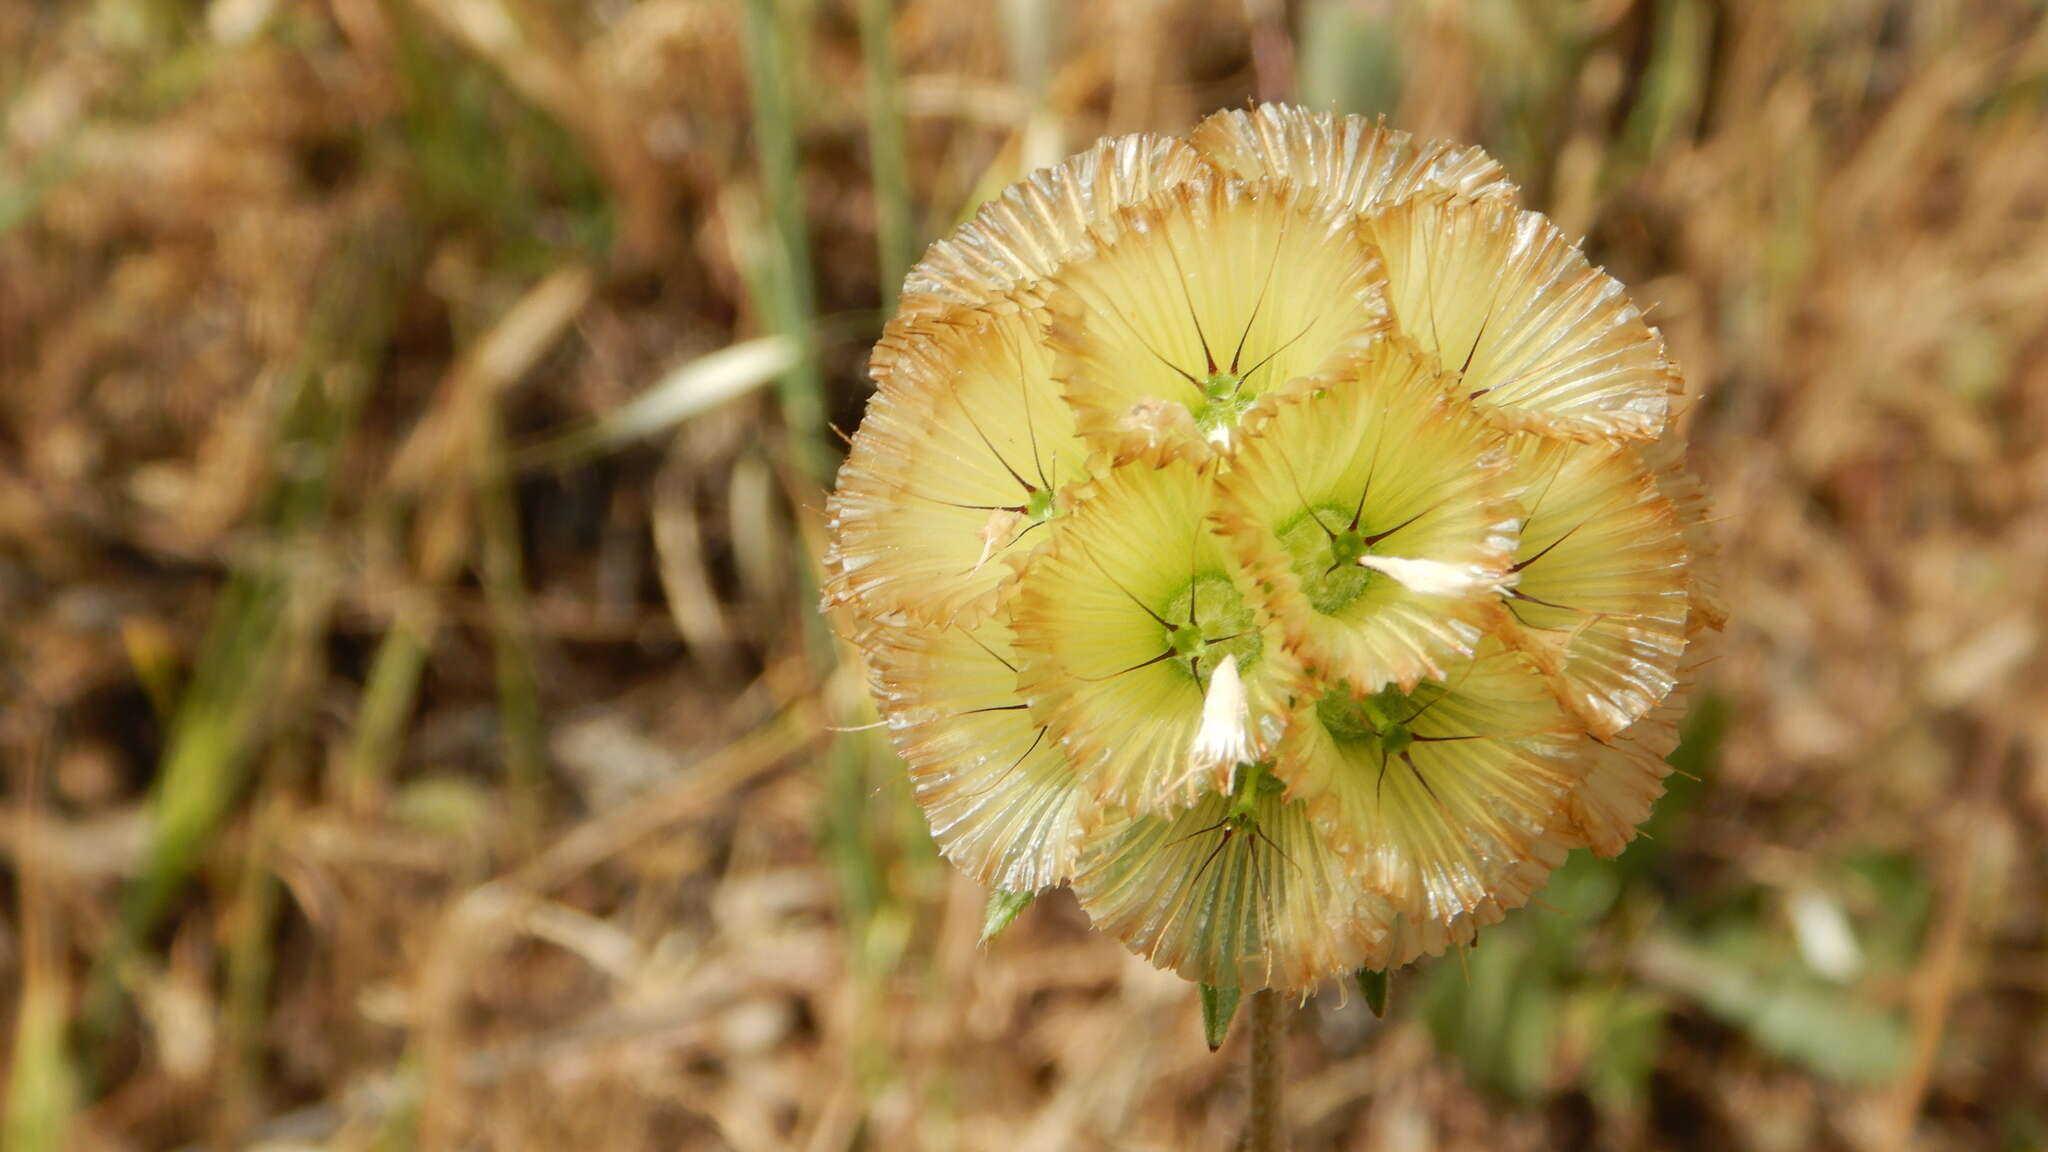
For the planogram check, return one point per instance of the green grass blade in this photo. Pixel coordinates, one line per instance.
(786, 284)
(888, 160)
(221, 716)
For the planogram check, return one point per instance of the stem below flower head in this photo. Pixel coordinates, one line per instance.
(1263, 1130)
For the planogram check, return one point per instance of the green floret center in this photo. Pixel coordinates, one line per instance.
(1207, 620)
(1381, 718)
(1038, 506)
(1326, 560)
(1224, 402)
(1253, 782)
(1347, 546)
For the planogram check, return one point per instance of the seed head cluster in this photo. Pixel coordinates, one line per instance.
(1278, 535)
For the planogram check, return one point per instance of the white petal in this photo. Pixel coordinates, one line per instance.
(1433, 577)
(1226, 735)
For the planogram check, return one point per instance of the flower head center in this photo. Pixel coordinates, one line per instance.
(1038, 506)
(1210, 620)
(1326, 558)
(1224, 402)
(1347, 546)
(1395, 738)
(1382, 717)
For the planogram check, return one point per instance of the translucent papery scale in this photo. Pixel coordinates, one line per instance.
(965, 455)
(1001, 799)
(1036, 224)
(1358, 164)
(1599, 600)
(1625, 777)
(1190, 305)
(1122, 627)
(1372, 463)
(1447, 800)
(1233, 893)
(1537, 339)
(1688, 498)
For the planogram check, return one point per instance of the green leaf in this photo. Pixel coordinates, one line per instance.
(1218, 1006)
(1497, 1013)
(1373, 984)
(1693, 763)
(1624, 1031)
(1787, 1012)
(1003, 908)
(1350, 57)
(1891, 896)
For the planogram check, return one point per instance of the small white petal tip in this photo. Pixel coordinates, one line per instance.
(1433, 577)
(1226, 733)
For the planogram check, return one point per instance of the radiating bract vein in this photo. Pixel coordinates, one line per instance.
(1599, 598)
(1204, 298)
(1371, 462)
(1248, 900)
(1002, 801)
(1535, 337)
(1359, 164)
(965, 455)
(1445, 800)
(1121, 628)
(1037, 223)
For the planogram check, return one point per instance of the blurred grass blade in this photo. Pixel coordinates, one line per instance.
(1029, 28)
(251, 964)
(1350, 57)
(888, 162)
(42, 1090)
(521, 730)
(786, 294)
(698, 386)
(235, 678)
(1030, 40)
(1218, 1006)
(786, 283)
(1674, 83)
(1003, 908)
(456, 457)
(521, 43)
(387, 699)
(153, 654)
(23, 193)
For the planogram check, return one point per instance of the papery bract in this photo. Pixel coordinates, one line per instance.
(1279, 535)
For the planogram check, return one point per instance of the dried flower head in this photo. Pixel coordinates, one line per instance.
(1281, 537)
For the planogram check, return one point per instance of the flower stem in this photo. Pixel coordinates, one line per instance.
(1262, 1126)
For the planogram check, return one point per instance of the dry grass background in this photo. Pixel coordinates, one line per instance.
(416, 730)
